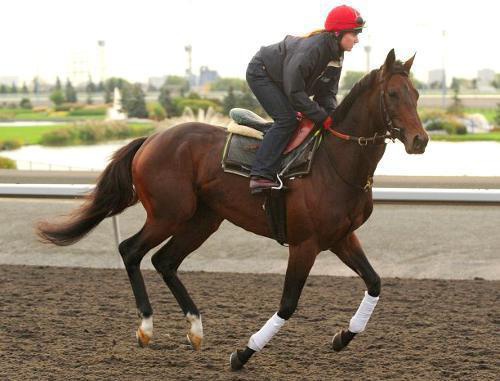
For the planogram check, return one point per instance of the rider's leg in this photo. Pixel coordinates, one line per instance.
(277, 105)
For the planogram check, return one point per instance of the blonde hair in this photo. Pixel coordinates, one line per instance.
(314, 33)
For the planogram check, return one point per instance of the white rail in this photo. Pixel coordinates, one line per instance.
(379, 194)
(478, 196)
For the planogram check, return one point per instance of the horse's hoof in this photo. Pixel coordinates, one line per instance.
(337, 343)
(235, 362)
(194, 340)
(143, 338)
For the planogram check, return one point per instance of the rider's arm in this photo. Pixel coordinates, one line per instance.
(300, 67)
(327, 88)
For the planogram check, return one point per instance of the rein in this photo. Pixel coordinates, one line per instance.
(391, 133)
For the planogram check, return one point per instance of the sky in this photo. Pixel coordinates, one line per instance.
(49, 38)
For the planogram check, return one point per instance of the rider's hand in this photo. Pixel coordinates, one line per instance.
(327, 123)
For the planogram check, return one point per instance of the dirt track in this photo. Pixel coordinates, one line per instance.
(76, 323)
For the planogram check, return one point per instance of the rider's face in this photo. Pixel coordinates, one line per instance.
(348, 41)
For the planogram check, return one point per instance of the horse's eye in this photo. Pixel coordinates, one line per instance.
(393, 94)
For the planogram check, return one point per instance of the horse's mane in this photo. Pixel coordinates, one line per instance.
(359, 87)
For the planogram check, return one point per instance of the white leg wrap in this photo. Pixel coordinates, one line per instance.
(362, 315)
(196, 325)
(259, 339)
(147, 325)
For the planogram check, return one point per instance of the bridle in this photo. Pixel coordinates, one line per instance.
(392, 132)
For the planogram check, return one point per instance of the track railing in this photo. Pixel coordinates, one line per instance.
(404, 195)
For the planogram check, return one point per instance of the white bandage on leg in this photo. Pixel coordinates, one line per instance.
(147, 325)
(259, 339)
(362, 315)
(196, 325)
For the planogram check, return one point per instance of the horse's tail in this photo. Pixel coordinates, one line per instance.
(112, 194)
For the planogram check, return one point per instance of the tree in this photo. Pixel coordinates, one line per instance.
(175, 82)
(166, 102)
(25, 104)
(223, 84)
(90, 87)
(229, 101)
(58, 84)
(350, 78)
(13, 89)
(248, 101)
(100, 87)
(3, 89)
(70, 92)
(496, 81)
(133, 101)
(57, 97)
(417, 83)
(25, 88)
(109, 87)
(36, 85)
(457, 107)
(497, 116)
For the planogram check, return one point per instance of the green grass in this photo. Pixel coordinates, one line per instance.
(28, 135)
(490, 137)
(22, 114)
(32, 135)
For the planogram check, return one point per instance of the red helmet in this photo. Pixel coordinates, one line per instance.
(344, 19)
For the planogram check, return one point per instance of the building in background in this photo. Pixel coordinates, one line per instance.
(207, 76)
(9, 81)
(436, 78)
(156, 82)
(485, 78)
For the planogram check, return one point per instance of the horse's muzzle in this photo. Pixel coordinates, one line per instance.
(419, 143)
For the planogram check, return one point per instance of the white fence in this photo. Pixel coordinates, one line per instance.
(413, 195)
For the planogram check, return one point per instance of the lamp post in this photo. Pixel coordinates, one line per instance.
(368, 49)
(443, 79)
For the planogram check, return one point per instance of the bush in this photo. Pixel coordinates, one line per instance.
(59, 137)
(25, 104)
(88, 111)
(92, 133)
(436, 120)
(63, 107)
(195, 104)
(57, 97)
(6, 163)
(156, 112)
(8, 145)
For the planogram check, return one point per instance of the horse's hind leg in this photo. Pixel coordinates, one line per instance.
(167, 260)
(351, 253)
(132, 251)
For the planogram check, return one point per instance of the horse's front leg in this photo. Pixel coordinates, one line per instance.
(350, 252)
(301, 259)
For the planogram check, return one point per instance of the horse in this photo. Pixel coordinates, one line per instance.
(176, 174)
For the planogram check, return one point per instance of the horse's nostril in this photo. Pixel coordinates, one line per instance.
(419, 143)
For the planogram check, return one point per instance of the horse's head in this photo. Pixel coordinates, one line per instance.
(399, 104)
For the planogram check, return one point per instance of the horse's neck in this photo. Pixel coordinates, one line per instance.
(353, 162)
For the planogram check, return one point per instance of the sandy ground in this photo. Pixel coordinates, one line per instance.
(79, 324)
(411, 241)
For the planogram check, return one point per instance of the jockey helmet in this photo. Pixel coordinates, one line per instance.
(344, 19)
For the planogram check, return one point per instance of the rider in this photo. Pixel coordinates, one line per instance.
(284, 75)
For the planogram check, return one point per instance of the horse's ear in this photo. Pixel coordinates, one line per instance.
(407, 64)
(389, 61)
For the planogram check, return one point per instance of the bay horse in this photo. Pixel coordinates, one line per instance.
(177, 176)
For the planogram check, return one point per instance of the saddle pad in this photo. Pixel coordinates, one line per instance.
(239, 155)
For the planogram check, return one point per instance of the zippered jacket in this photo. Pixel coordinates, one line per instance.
(304, 67)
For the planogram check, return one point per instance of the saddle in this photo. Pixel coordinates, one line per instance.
(244, 140)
